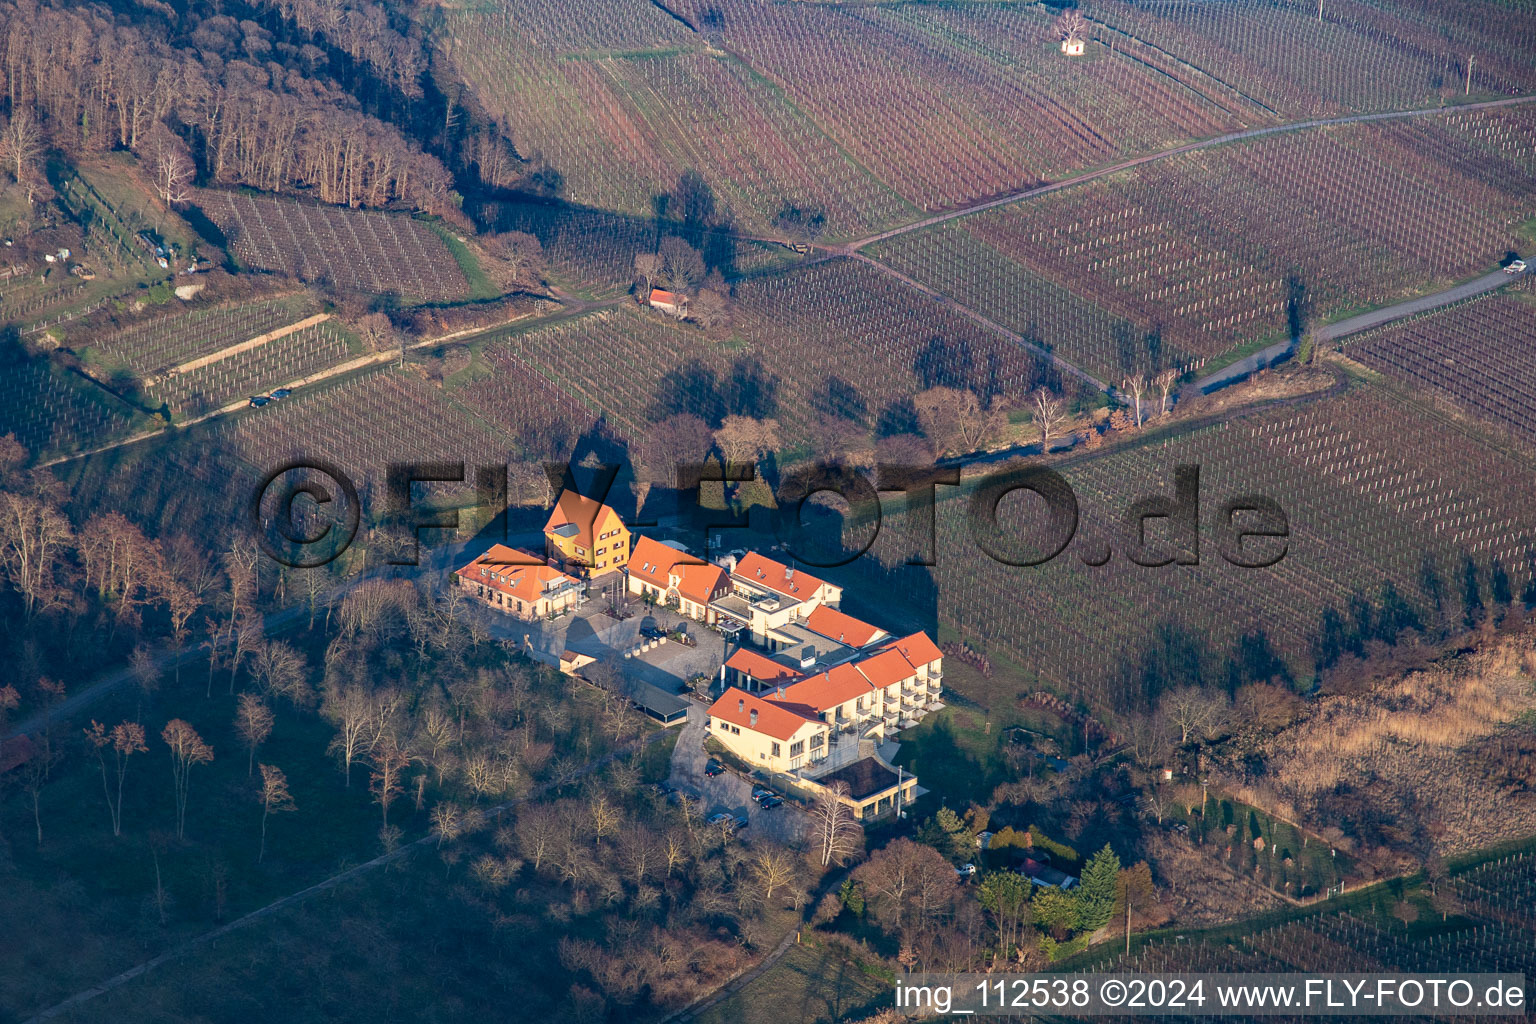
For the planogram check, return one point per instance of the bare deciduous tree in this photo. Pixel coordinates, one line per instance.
(351, 711)
(125, 740)
(447, 822)
(389, 763)
(744, 440)
(275, 798)
(1136, 384)
(773, 869)
(172, 166)
(187, 750)
(253, 720)
(954, 419)
(834, 829)
(1071, 25)
(1165, 382)
(21, 142)
(1049, 413)
(1192, 710)
(34, 538)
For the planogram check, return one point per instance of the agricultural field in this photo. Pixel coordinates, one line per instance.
(820, 108)
(1363, 509)
(835, 321)
(352, 250)
(1358, 56)
(1478, 355)
(1479, 922)
(254, 371)
(151, 348)
(593, 251)
(1204, 250)
(51, 410)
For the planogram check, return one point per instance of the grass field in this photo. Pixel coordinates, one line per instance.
(813, 982)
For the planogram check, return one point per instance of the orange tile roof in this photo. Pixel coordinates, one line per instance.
(775, 720)
(776, 576)
(518, 574)
(918, 649)
(661, 295)
(585, 513)
(656, 563)
(827, 690)
(764, 670)
(887, 667)
(845, 629)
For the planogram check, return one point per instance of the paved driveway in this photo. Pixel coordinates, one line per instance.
(728, 791)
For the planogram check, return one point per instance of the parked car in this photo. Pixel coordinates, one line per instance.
(718, 818)
(965, 870)
(280, 394)
(1515, 267)
(257, 401)
(714, 768)
(760, 793)
(770, 802)
(652, 633)
(740, 822)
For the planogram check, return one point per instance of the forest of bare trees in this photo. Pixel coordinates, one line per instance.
(230, 98)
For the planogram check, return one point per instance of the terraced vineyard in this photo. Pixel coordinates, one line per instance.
(621, 126)
(154, 347)
(1490, 932)
(1212, 247)
(968, 104)
(1364, 508)
(1357, 57)
(255, 370)
(1477, 354)
(363, 424)
(837, 319)
(50, 411)
(353, 250)
(859, 113)
(360, 423)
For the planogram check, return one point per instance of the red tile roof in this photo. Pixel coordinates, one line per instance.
(887, 667)
(585, 513)
(764, 670)
(845, 629)
(662, 296)
(518, 574)
(828, 689)
(776, 576)
(655, 563)
(775, 720)
(918, 649)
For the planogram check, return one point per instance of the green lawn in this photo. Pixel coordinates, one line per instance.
(480, 285)
(808, 985)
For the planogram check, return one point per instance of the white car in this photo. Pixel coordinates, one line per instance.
(1516, 267)
(965, 870)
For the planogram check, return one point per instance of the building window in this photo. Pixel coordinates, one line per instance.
(818, 740)
(775, 750)
(797, 749)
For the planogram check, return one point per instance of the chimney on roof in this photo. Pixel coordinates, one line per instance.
(752, 718)
(789, 572)
(741, 704)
